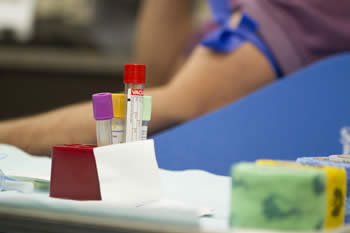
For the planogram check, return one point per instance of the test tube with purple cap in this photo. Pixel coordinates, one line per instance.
(103, 113)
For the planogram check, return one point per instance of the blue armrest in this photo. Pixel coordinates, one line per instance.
(300, 115)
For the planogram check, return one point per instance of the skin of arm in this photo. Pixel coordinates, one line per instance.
(207, 81)
(37, 134)
(163, 29)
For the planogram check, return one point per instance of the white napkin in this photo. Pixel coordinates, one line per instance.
(188, 191)
(129, 173)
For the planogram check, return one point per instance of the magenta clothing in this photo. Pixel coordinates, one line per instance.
(300, 32)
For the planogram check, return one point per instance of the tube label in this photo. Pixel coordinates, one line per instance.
(144, 132)
(134, 114)
(117, 131)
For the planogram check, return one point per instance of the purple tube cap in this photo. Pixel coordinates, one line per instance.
(103, 106)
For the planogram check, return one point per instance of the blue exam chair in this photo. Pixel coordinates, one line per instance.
(301, 115)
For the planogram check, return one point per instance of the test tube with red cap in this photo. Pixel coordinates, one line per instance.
(103, 113)
(134, 81)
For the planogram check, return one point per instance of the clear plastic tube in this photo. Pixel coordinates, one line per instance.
(2, 181)
(7, 184)
(146, 116)
(133, 110)
(103, 114)
(345, 139)
(144, 130)
(118, 130)
(104, 132)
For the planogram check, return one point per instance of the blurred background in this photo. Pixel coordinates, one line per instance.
(59, 52)
(54, 53)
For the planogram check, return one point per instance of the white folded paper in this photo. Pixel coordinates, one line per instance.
(184, 191)
(128, 173)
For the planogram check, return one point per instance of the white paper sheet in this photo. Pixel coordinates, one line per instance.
(178, 205)
(183, 191)
(129, 173)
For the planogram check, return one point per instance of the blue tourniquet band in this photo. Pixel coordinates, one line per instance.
(226, 39)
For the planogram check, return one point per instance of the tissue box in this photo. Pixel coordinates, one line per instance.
(74, 173)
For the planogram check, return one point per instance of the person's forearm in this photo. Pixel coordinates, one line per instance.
(164, 27)
(37, 134)
(209, 80)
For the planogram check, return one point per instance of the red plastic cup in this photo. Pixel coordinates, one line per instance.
(74, 173)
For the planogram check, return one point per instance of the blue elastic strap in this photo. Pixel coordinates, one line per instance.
(226, 39)
(220, 10)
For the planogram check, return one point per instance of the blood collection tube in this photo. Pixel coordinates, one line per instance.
(134, 80)
(118, 119)
(103, 113)
(146, 117)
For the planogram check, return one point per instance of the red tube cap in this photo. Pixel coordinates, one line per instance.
(74, 173)
(134, 73)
